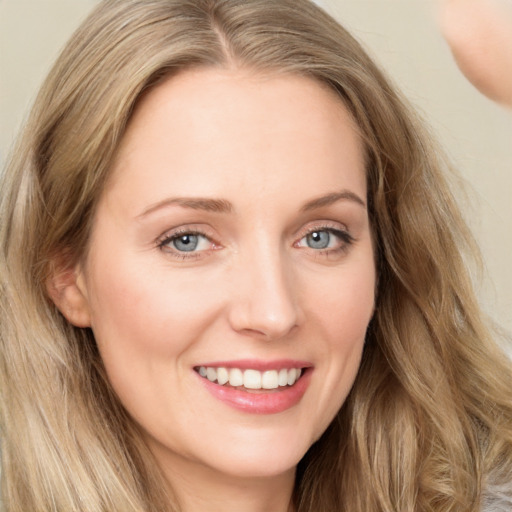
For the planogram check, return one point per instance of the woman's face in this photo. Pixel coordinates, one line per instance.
(231, 251)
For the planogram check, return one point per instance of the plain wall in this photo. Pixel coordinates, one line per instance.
(402, 35)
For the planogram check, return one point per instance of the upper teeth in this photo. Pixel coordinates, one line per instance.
(251, 379)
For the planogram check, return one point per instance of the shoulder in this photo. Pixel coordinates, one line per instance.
(497, 498)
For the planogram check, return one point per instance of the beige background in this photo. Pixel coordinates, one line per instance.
(401, 34)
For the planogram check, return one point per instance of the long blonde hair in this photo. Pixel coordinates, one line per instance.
(429, 419)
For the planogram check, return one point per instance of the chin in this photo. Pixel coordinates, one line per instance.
(267, 465)
(262, 459)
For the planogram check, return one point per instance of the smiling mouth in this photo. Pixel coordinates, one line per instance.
(250, 379)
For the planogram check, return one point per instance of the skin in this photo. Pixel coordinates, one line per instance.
(479, 33)
(254, 288)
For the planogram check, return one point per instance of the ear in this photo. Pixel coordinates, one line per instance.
(66, 287)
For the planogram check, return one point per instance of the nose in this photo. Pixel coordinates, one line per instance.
(264, 303)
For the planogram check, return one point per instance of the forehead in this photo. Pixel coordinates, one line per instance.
(208, 131)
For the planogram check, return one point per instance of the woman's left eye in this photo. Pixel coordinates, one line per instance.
(325, 239)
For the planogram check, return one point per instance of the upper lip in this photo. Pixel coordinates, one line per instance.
(258, 364)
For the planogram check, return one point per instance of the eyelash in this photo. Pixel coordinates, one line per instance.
(163, 243)
(346, 239)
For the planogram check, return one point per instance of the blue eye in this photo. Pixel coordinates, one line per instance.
(318, 239)
(326, 239)
(186, 243)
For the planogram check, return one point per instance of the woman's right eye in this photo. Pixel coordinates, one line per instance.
(185, 242)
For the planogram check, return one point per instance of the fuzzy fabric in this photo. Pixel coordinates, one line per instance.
(498, 498)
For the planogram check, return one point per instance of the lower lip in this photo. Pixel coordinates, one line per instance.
(260, 402)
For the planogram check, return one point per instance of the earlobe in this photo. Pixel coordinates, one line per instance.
(67, 290)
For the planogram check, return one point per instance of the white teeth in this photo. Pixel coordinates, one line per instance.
(283, 377)
(251, 379)
(236, 377)
(222, 376)
(269, 380)
(211, 374)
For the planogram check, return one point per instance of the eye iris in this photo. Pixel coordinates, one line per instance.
(186, 243)
(318, 239)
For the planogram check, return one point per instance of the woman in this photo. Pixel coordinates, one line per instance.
(234, 278)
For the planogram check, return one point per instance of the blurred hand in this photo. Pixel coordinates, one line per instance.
(479, 33)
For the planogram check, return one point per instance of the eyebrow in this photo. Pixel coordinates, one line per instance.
(329, 199)
(194, 203)
(224, 206)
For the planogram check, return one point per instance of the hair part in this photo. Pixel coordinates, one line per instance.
(428, 418)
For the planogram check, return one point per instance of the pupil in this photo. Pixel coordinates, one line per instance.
(186, 243)
(318, 239)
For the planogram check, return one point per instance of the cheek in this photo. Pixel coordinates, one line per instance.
(347, 301)
(153, 314)
(145, 326)
(345, 322)
(342, 314)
